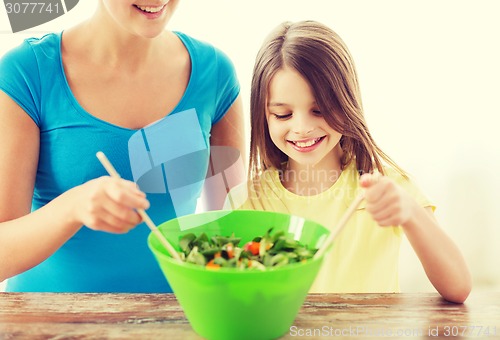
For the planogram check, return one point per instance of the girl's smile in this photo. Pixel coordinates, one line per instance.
(306, 145)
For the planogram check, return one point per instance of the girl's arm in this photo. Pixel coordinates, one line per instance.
(443, 262)
(26, 238)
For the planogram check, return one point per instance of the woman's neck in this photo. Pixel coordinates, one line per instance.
(114, 47)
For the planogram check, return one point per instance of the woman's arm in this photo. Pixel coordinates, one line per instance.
(230, 130)
(443, 262)
(228, 133)
(26, 239)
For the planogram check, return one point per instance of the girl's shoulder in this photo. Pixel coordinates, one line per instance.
(396, 175)
(246, 195)
(409, 184)
(270, 177)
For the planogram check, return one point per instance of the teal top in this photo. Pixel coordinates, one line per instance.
(167, 159)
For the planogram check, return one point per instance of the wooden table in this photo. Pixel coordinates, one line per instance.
(159, 316)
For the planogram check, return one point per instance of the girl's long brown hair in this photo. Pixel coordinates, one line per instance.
(322, 58)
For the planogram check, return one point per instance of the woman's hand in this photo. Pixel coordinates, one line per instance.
(386, 201)
(108, 204)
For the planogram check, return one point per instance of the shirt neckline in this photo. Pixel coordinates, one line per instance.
(348, 180)
(88, 115)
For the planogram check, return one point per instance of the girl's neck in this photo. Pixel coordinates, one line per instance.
(308, 179)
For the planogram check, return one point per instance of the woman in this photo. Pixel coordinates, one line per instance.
(100, 86)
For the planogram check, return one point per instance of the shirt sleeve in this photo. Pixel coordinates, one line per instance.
(227, 84)
(409, 185)
(20, 79)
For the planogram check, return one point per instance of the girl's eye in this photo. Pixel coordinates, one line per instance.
(282, 116)
(317, 112)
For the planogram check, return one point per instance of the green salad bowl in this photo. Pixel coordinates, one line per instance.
(231, 303)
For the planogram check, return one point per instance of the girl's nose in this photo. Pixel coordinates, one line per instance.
(302, 125)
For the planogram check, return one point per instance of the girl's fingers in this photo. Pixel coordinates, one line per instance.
(366, 180)
(381, 200)
(384, 200)
(375, 187)
(385, 217)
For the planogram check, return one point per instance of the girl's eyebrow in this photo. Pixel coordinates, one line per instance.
(284, 104)
(276, 104)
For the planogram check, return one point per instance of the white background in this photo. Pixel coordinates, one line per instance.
(430, 79)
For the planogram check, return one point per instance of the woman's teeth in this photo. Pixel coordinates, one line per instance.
(150, 9)
(308, 143)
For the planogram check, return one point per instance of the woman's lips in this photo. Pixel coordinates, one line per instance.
(151, 12)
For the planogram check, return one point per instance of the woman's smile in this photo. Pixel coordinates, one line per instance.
(150, 11)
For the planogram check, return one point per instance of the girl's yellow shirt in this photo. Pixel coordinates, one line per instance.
(364, 258)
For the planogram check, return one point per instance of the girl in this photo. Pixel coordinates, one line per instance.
(120, 83)
(309, 146)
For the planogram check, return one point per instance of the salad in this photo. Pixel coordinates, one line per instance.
(269, 250)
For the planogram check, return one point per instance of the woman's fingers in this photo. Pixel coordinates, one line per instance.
(110, 204)
(127, 194)
(119, 217)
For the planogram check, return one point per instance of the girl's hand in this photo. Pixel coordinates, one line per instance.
(108, 204)
(386, 201)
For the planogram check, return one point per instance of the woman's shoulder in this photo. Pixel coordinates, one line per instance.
(29, 48)
(49, 39)
(196, 42)
(203, 48)
(47, 42)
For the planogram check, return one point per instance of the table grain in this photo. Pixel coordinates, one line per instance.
(159, 316)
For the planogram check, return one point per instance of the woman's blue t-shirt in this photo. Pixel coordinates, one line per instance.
(32, 75)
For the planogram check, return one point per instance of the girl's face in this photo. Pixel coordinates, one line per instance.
(146, 18)
(296, 125)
